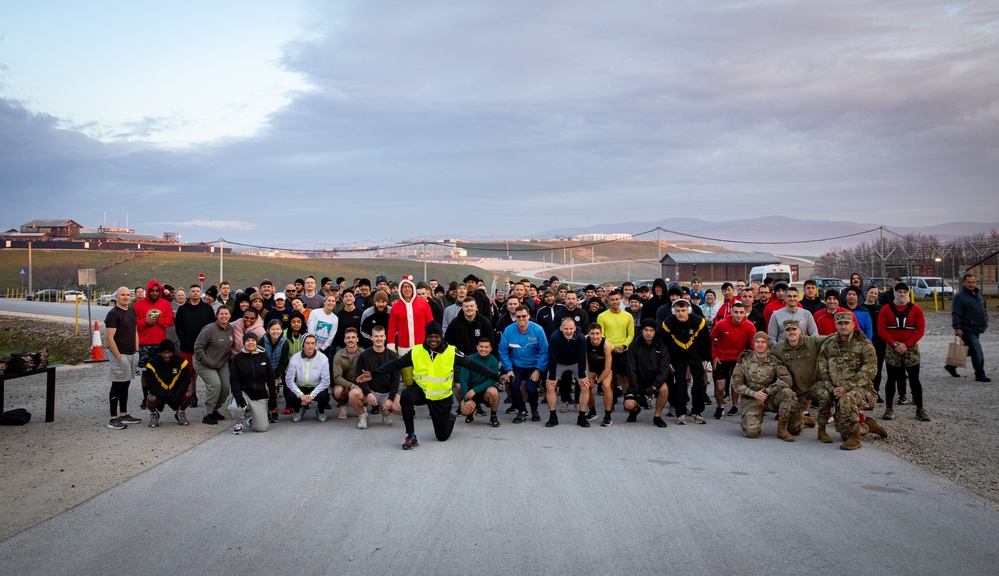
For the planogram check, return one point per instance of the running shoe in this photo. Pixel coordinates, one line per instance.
(386, 418)
(607, 421)
(237, 429)
(154, 419)
(681, 420)
(494, 422)
(521, 417)
(410, 443)
(362, 421)
(633, 415)
(209, 419)
(659, 422)
(535, 417)
(889, 415)
(921, 415)
(719, 412)
(342, 415)
(698, 419)
(298, 417)
(181, 417)
(321, 414)
(127, 419)
(218, 416)
(564, 407)
(116, 424)
(591, 415)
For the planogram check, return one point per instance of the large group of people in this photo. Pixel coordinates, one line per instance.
(322, 345)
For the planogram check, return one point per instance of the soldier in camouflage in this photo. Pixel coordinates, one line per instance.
(844, 377)
(763, 384)
(799, 354)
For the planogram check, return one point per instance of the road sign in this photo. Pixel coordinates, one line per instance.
(201, 278)
(22, 272)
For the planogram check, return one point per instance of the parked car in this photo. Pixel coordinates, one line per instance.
(106, 299)
(47, 295)
(74, 296)
(779, 272)
(924, 286)
(883, 284)
(824, 284)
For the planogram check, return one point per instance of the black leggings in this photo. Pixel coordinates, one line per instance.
(118, 398)
(896, 375)
(879, 349)
(440, 411)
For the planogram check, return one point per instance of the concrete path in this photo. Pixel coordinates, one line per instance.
(315, 498)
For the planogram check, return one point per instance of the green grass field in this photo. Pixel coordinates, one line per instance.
(565, 251)
(57, 269)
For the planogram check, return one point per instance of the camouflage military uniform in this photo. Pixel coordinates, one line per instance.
(851, 365)
(752, 374)
(800, 362)
(910, 358)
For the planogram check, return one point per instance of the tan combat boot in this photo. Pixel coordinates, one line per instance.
(852, 442)
(808, 421)
(823, 437)
(875, 428)
(782, 432)
(853, 434)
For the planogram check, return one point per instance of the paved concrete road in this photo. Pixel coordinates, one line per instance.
(314, 498)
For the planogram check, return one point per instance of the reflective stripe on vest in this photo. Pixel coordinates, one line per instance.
(434, 376)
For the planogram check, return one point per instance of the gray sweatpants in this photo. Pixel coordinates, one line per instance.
(216, 385)
(258, 411)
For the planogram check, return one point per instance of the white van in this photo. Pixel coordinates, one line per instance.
(923, 286)
(778, 272)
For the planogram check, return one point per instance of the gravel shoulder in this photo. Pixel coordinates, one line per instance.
(51, 467)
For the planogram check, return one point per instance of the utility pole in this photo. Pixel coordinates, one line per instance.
(221, 252)
(424, 240)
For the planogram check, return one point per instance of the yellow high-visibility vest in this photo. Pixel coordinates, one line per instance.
(434, 376)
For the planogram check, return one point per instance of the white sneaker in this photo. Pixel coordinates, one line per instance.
(564, 408)
(386, 418)
(237, 429)
(681, 420)
(698, 419)
(362, 421)
(343, 413)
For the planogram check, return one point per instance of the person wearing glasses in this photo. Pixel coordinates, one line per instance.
(523, 355)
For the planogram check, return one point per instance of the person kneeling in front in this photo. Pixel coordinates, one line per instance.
(250, 379)
(433, 365)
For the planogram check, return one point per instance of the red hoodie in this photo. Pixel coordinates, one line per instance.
(826, 322)
(153, 335)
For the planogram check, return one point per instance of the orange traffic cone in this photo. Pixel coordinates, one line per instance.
(96, 349)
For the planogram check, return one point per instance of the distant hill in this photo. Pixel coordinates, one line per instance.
(771, 229)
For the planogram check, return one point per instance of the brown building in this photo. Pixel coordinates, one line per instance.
(713, 266)
(54, 228)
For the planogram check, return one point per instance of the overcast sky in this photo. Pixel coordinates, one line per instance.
(295, 122)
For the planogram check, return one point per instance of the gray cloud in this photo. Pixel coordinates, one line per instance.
(501, 119)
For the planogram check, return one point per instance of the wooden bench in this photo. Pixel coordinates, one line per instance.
(50, 381)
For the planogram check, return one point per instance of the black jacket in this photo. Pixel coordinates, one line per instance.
(464, 335)
(189, 320)
(252, 374)
(648, 364)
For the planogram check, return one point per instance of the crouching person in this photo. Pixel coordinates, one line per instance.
(763, 385)
(307, 379)
(251, 378)
(168, 381)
